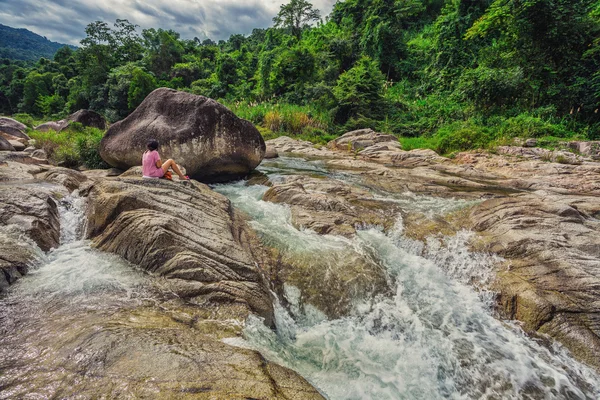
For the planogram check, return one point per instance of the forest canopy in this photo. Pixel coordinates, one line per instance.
(429, 70)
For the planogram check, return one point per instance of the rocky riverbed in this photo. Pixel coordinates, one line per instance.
(173, 289)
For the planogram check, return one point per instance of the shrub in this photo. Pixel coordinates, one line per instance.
(527, 126)
(73, 147)
(273, 121)
(489, 87)
(25, 119)
(359, 91)
(461, 136)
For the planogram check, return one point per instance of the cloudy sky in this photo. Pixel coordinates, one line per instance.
(64, 21)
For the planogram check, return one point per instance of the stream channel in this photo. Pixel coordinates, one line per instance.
(433, 336)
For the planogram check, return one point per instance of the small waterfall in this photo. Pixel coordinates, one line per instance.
(72, 218)
(435, 337)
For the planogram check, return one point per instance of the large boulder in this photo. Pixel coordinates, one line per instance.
(204, 136)
(87, 118)
(186, 233)
(18, 146)
(49, 126)
(32, 211)
(11, 133)
(9, 122)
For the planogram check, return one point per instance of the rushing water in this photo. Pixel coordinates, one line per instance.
(74, 290)
(434, 337)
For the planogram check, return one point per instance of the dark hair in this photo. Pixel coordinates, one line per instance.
(152, 145)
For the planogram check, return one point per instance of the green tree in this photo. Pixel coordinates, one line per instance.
(164, 50)
(296, 15)
(359, 92)
(142, 83)
(36, 85)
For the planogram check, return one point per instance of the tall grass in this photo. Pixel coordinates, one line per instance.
(76, 146)
(277, 119)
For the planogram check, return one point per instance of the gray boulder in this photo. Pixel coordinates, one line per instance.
(49, 126)
(209, 140)
(362, 139)
(9, 122)
(10, 133)
(32, 211)
(18, 146)
(5, 145)
(87, 118)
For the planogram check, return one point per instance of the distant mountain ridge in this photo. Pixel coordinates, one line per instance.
(22, 44)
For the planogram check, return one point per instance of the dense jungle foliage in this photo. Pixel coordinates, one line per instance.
(445, 74)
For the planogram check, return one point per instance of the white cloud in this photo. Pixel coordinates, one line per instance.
(65, 20)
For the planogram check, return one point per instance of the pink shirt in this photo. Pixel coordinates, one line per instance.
(149, 167)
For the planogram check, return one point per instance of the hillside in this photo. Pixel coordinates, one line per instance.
(22, 44)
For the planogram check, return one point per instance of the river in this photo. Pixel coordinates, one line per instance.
(434, 336)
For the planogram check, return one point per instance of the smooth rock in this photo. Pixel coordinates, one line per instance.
(185, 232)
(330, 280)
(87, 118)
(10, 133)
(285, 144)
(9, 122)
(361, 139)
(49, 126)
(32, 211)
(68, 178)
(95, 174)
(5, 145)
(551, 280)
(271, 153)
(16, 257)
(330, 207)
(197, 132)
(17, 145)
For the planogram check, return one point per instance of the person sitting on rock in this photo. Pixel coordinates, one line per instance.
(154, 168)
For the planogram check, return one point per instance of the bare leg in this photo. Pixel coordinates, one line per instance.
(171, 164)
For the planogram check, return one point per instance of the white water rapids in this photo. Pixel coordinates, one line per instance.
(435, 337)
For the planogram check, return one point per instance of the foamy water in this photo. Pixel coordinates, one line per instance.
(434, 337)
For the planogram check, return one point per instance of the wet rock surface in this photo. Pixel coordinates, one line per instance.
(199, 133)
(189, 234)
(551, 279)
(330, 207)
(33, 212)
(539, 211)
(127, 336)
